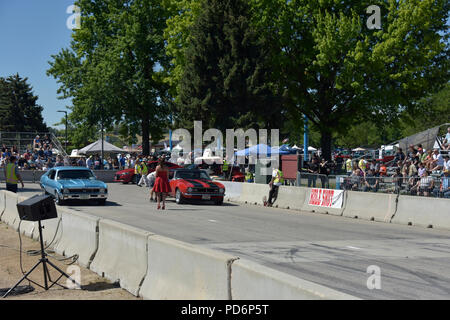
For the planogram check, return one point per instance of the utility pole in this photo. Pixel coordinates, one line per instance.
(305, 138)
(101, 114)
(65, 141)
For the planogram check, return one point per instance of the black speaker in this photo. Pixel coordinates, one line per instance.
(38, 207)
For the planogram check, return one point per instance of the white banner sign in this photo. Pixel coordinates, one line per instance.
(326, 198)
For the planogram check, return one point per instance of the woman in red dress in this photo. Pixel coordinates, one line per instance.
(162, 186)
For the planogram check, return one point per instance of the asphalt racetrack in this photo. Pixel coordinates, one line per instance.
(333, 251)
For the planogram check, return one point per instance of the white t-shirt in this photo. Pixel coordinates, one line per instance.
(151, 177)
(447, 165)
(440, 160)
(447, 136)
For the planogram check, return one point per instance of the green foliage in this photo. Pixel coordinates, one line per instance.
(431, 111)
(18, 108)
(113, 69)
(224, 80)
(338, 73)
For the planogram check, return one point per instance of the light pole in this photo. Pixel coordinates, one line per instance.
(65, 141)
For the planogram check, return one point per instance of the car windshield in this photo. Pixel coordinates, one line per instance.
(193, 175)
(75, 174)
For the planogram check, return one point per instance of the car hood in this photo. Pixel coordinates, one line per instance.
(82, 183)
(126, 171)
(202, 183)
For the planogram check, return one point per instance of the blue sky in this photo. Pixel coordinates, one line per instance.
(30, 32)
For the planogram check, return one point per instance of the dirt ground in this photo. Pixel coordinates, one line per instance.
(93, 287)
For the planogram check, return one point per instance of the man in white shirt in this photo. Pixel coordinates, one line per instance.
(438, 161)
(446, 163)
(151, 177)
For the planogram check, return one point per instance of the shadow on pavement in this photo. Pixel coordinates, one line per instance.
(100, 286)
(93, 203)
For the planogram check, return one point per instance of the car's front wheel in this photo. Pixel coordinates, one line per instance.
(58, 200)
(179, 199)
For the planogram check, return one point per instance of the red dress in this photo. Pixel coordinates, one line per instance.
(162, 183)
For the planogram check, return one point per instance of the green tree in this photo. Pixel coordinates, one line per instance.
(113, 70)
(432, 111)
(335, 70)
(224, 80)
(18, 107)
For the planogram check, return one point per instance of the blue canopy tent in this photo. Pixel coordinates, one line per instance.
(262, 149)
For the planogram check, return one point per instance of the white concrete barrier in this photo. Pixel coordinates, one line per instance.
(10, 214)
(370, 206)
(233, 190)
(181, 271)
(26, 227)
(51, 232)
(318, 209)
(290, 197)
(122, 254)
(2, 204)
(252, 281)
(78, 236)
(423, 212)
(253, 193)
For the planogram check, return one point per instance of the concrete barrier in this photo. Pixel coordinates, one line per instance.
(319, 209)
(251, 281)
(105, 175)
(10, 214)
(181, 271)
(51, 232)
(26, 227)
(2, 204)
(290, 198)
(253, 193)
(122, 254)
(423, 212)
(78, 236)
(233, 190)
(370, 206)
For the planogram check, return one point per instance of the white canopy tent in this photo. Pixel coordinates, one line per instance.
(96, 147)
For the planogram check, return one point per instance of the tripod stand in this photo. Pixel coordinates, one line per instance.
(44, 262)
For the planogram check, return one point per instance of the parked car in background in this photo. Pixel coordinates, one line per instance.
(127, 175)
(195, 184)
(73, 183)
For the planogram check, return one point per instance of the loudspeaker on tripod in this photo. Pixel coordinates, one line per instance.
(38, 207)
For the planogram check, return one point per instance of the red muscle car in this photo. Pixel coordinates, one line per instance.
(195, 184)
(127, 175)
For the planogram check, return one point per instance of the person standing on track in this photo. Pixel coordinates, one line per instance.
(12, 175)
(162, 186)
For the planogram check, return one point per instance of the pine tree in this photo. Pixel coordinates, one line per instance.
(225, 81)
(18, 107)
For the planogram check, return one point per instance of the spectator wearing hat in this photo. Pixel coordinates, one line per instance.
(421, 155)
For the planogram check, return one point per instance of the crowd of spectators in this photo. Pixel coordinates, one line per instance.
(39, 156)
(417, 172)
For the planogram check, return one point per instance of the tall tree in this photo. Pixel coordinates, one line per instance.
(335, 70)
(18, 107)
(224, 77)
(113, 69)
